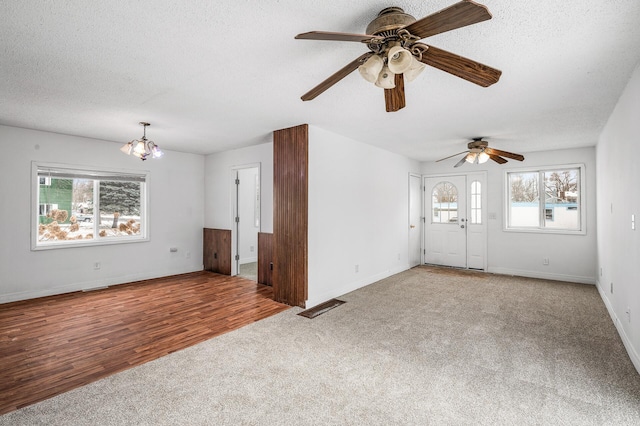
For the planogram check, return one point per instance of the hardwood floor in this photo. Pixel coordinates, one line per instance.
(54, 344)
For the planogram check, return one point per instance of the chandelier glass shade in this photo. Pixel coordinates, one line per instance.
(142, 148)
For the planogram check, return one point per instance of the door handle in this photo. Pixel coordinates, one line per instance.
(412, 226)
(461, 226)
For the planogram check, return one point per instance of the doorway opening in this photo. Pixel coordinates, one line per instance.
(246, 220)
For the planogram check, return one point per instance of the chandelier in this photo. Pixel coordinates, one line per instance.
(142, 148)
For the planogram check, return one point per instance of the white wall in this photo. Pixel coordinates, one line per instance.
(358, 214)
(176, 193)
(218, 185)
(571, 257)
(618, 199)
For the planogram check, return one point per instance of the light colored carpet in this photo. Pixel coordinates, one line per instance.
(424, 347)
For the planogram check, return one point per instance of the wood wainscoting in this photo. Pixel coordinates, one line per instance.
(216, 254)
(290, 214)
(265, 258)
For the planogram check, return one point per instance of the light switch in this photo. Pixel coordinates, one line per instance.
(633, 222)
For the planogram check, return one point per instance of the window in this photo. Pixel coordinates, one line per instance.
(547, 200)
(445, 203)
(82, 206)
(476, 203)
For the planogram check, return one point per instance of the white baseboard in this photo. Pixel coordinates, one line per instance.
(352, 286)
(95, 284)
(543, 275)
(633, 354)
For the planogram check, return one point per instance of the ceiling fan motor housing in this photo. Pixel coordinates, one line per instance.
(477, 143)
(389, 20)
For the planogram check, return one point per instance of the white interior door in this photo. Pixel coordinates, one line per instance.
(415, 214)
(446, 221)
(245, 215)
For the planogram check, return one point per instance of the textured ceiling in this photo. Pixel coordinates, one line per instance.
(212, 76)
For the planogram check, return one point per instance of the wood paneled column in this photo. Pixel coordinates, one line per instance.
(290, 214)
(265, 258)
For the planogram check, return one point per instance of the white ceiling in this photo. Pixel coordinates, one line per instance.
(215, 75)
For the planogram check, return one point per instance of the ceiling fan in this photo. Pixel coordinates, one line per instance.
(395, 53)
(479, 152)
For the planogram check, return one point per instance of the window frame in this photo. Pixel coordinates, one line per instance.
(540, 229)
(143, 175)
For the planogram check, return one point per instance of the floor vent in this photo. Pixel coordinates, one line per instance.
(321, 308)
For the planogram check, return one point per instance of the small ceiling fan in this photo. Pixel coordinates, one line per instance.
(479, 152)
(395, 53)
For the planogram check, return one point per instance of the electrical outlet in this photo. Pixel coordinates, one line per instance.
(600, 271)
(96, 265)
(398, 256)
(628, 312)
(611, 290)
(252, 249)
(187, 254)
(545, 261)
(357, 268)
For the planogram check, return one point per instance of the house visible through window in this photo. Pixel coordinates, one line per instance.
(547, 199)
(85, 207)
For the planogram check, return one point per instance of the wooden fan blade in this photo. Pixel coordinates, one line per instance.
(326, 35)
(467, 69)
(394, 98)
(461, 162)
(497, 159)
(507, 154)
(339, 75)
(445, 158)
(455, 16)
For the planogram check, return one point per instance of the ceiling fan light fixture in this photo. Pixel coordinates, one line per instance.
(399, 59)
(471, 157)
(370, 70)
(414, 70)
(483, 157)
(386, 79)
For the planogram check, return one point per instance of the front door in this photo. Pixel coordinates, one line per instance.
(445, 221)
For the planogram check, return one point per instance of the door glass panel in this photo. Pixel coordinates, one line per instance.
(476, 202)
(444, 204)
